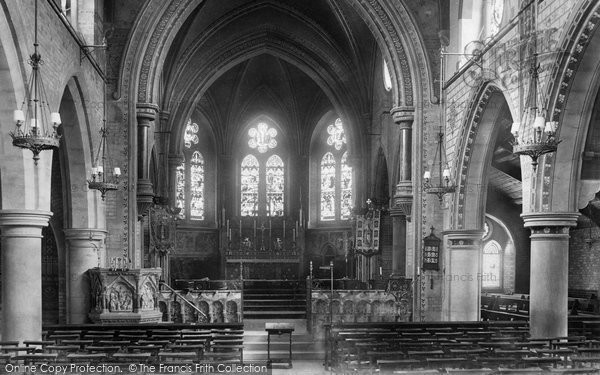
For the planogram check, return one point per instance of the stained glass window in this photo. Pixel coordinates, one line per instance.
(346, 188)
(336, 138)
(191, 176)
(335, 176)
(328, 183)
(262, 137)
(180, 188)
(197, 186)
(275, 186)
(191, 134)
(249, 182)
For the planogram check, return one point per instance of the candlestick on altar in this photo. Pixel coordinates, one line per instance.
(293, 234)
(300, 215)
(223, 216)
(240, 228)
(228, 226)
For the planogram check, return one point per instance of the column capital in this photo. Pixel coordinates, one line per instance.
(176, 159)
(463, 238)
(90, 234)
(164, 115)
(550, 219)
(403, 115)
(549, 224)
(146, 111)
(24, 218)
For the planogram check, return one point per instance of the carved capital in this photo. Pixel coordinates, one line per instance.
(464, 239)
(403, 200)
(175, 160)
(164, 115)
(403, 116)
(145, 197)
(146, 112)
(550, 224)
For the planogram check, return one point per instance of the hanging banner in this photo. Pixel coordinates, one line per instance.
(367, 232)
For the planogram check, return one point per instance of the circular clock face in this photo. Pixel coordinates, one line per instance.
(497, 12)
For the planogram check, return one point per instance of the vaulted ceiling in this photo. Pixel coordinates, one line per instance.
(291, 60)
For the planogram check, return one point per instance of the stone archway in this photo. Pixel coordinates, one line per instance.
(573, 85)
(462, 258)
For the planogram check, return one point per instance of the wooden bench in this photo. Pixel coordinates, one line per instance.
(167, 356)
(140, 357)
(34, 358)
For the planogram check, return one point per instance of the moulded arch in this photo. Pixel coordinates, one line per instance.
(475, 156)
(392, 26)
(574, 85)
(13, 161)
(76, 152)
(245, 47)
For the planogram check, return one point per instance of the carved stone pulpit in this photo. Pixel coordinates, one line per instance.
(124, 296)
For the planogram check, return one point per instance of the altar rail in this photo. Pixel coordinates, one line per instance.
(218, 306)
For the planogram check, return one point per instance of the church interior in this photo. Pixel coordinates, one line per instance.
(353, 186)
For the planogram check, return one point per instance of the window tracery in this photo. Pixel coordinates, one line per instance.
(335, 188)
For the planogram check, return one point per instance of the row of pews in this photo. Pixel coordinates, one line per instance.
(92, 344)
(456, 347)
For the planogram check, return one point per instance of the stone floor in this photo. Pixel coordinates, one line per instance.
(302, 368)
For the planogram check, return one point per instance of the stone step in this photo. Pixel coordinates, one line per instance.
(270, 302)
(267, 295)
(274, 315)
(274, 290)
(256, 327)
(288, 307)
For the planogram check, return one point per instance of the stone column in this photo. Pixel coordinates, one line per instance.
(462, 279)
(22, 273)
(146, 112)
(162, 137)
(403, 195)
(548, 295)
(84, 250)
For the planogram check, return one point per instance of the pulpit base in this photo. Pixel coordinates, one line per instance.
(126, 317)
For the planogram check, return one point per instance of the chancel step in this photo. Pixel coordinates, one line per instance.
(274, 299)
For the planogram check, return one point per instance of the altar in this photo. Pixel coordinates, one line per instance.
(263, 248)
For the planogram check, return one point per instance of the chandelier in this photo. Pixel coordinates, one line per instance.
(103, 178)
(541, 134)
(443, 185)
(32, 130)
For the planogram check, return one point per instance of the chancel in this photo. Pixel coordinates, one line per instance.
(328, 185)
